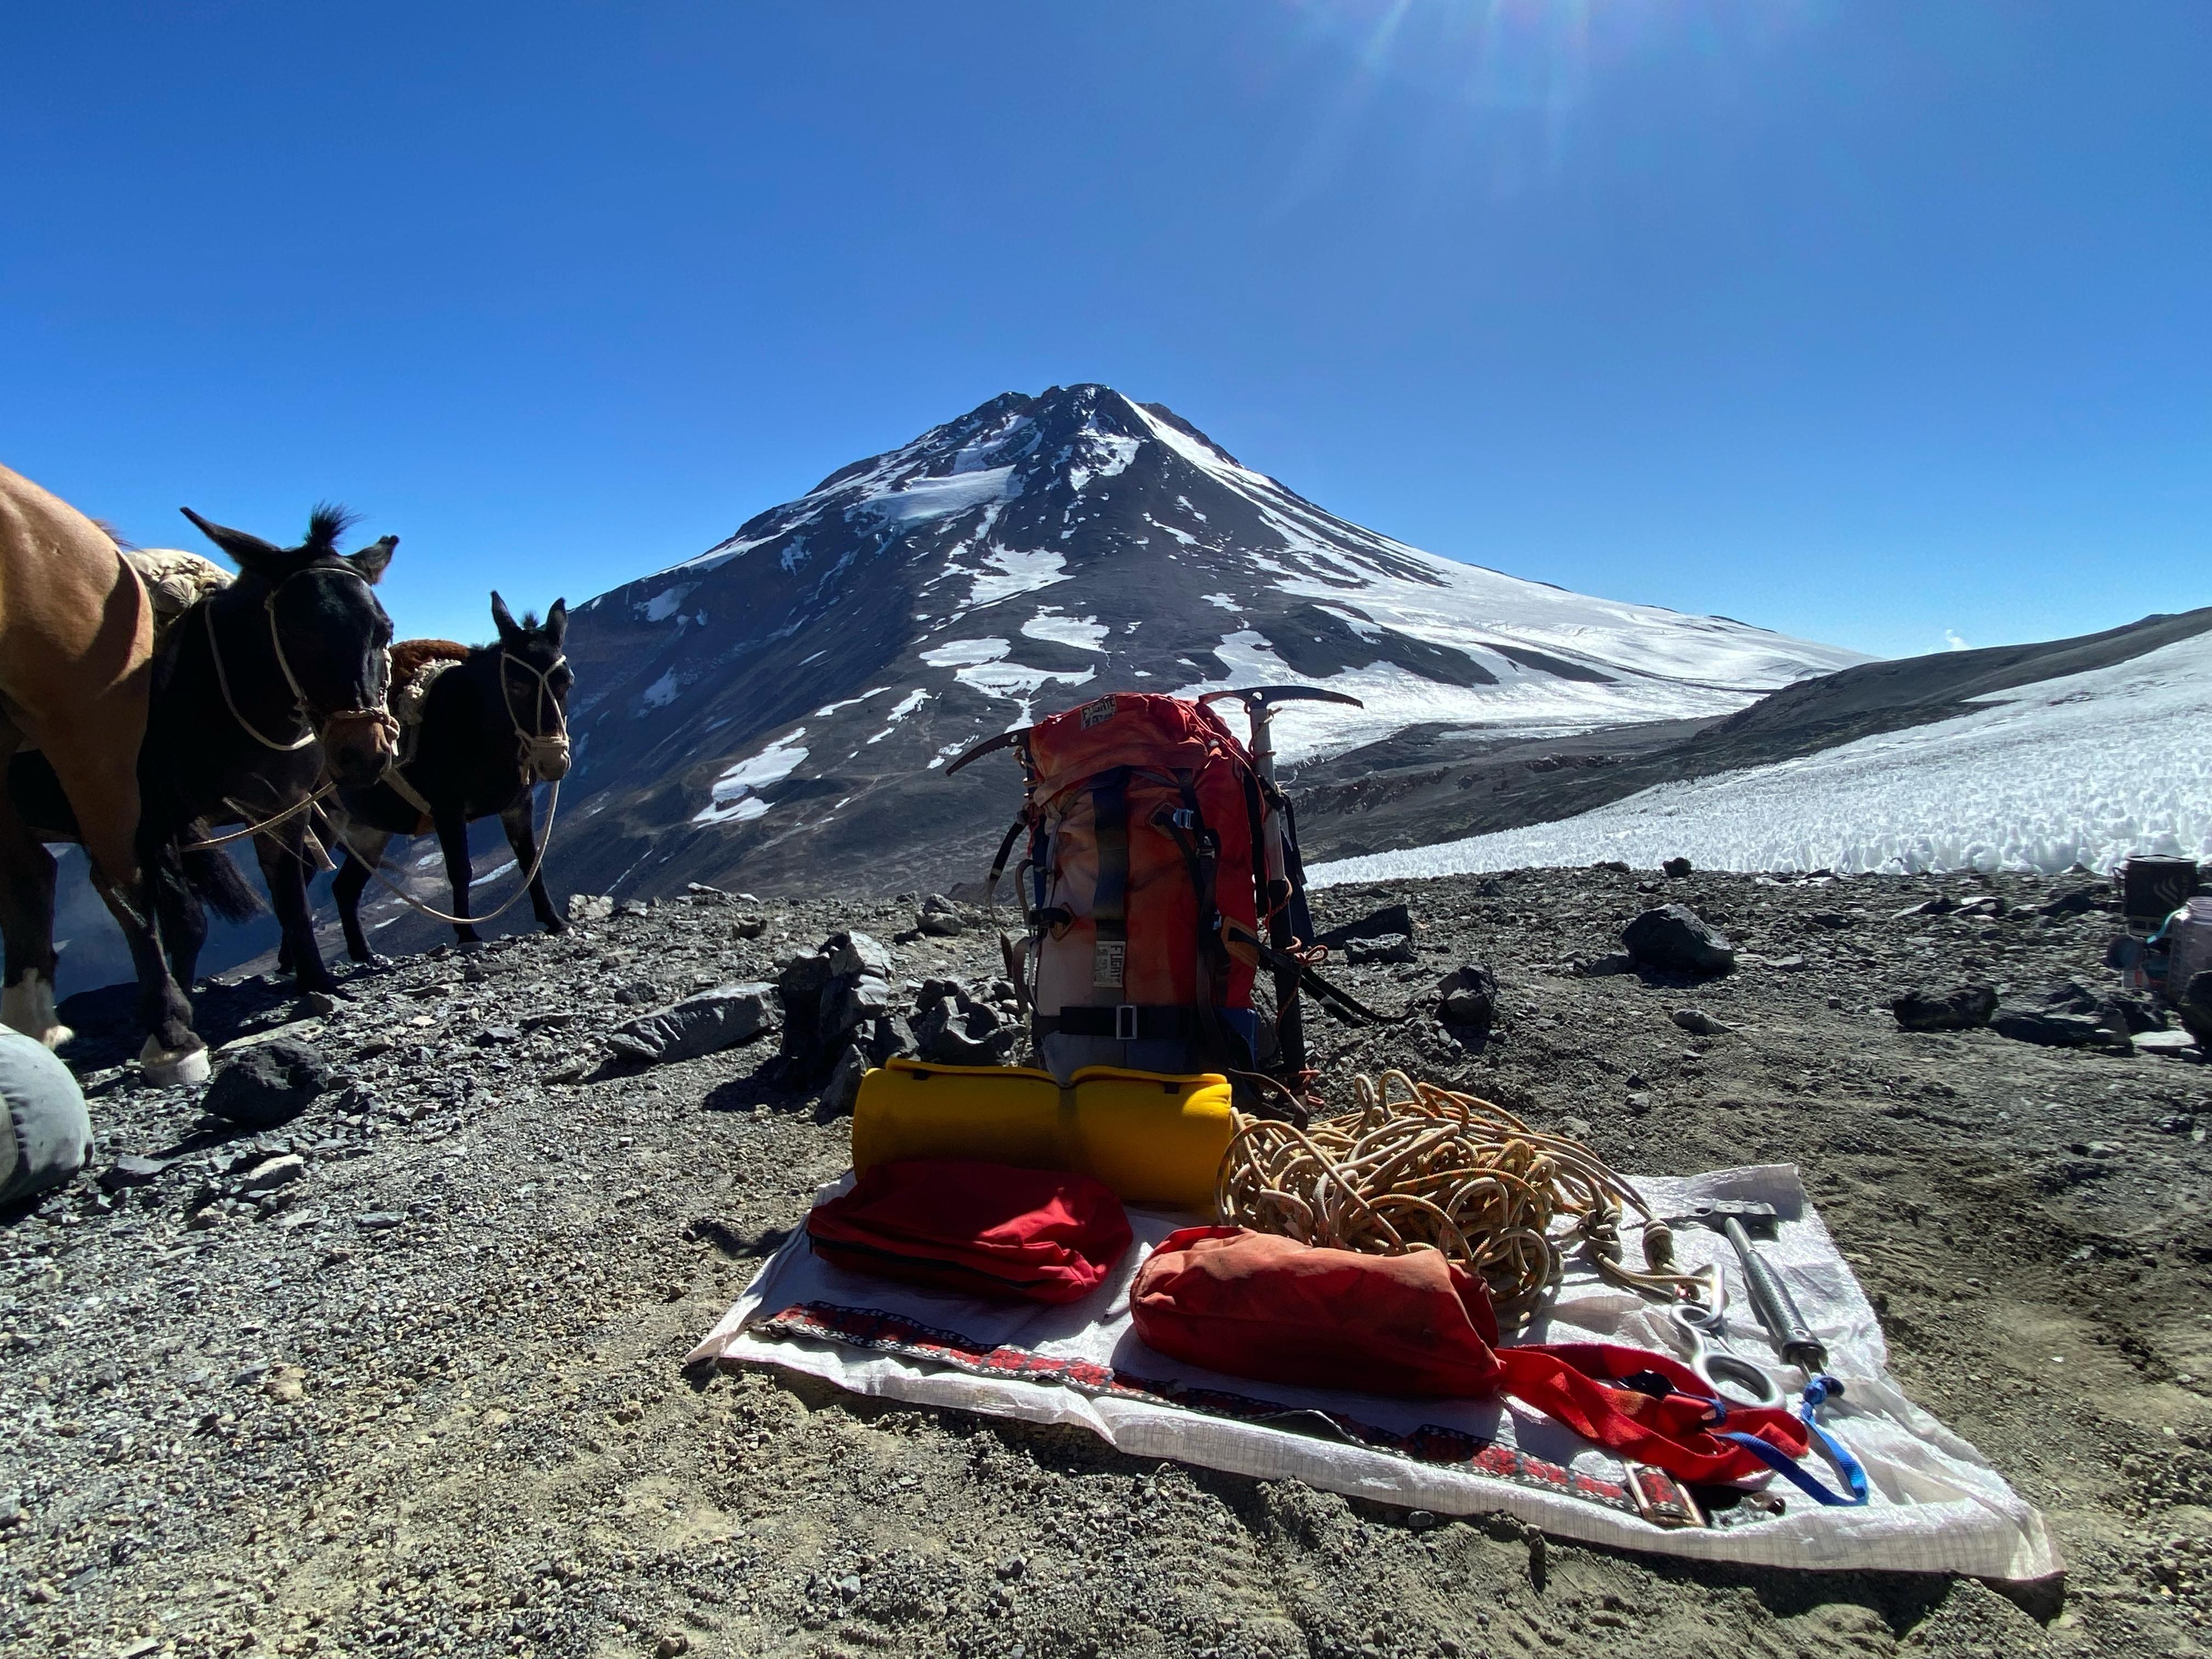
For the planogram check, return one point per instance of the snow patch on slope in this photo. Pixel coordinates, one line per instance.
(939, 498)
(1011, 571)
(1108, 455)
(906, 706)
(2085, 768)
(1083, 633)
(732, 799)
(962, 653)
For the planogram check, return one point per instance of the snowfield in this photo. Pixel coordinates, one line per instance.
(1391, 699)
(2086, 769)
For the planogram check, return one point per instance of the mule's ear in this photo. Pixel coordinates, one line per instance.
(247, 552)
(556, 623)
(372, 559)
(504, 618)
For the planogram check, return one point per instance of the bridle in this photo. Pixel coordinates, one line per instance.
(541, 754)
(302, 707)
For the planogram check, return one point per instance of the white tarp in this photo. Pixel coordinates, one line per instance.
(1937, 1505)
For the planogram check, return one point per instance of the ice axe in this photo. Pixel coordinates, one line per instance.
(1292, 925)
(1259, 703)
(1792, 1337)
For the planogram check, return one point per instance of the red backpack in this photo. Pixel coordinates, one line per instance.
(1162, 880)
(1142, 886)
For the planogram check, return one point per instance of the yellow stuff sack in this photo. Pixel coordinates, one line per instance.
(1154, 1139)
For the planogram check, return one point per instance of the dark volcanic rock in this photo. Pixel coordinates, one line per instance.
(1674, 869)
(2136, 1015)
(2064, 1015)
(1675, 940)
(954, 1029)
(1601, 967)
(1386, 948)
(2195, 1008)
(837, 1005)
(697, 1026)
(1959, 1009)
(1468, 996)
(843, 1087)
(2080, 901)
(1391, 921)
(267, 1083)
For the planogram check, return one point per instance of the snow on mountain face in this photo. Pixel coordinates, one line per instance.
(2082, 768)
(784, 700)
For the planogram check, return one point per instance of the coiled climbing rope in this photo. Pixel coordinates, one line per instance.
(1420, 1167)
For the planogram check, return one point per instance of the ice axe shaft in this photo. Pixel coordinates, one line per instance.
(1792, 1337)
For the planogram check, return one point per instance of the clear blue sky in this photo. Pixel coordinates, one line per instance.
(1869, 322)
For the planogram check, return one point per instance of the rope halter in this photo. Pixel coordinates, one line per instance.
(542, 754)
(302, 705)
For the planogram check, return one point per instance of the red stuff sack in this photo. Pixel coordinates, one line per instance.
(980, 1229)
(1256, 1305)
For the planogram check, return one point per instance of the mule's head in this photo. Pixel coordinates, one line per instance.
(535, 681)
(328, 635)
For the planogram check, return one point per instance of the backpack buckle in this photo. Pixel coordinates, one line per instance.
(1125, 1023)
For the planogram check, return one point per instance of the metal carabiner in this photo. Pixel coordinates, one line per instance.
(1735, 1379)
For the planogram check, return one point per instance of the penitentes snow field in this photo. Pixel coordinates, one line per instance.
(2086, 769)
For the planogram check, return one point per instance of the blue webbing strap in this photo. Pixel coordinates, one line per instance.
(1816, 1394)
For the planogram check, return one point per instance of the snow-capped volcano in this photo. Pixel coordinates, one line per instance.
(779, 707)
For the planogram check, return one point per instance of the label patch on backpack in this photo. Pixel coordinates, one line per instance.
(1109, 963)
(1098, 713)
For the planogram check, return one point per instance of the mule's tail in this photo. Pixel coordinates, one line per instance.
(211, 875)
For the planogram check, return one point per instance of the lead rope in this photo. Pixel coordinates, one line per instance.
(537, 751)
(291, 811)
(545, 846)
(302, 705)
(223, 681)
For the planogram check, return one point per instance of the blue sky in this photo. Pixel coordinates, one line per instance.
(1872, 323)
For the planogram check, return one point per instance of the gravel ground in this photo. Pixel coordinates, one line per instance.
(420, 1391)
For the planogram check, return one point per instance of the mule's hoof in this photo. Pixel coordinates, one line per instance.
(28, 1006)
(165, 1068)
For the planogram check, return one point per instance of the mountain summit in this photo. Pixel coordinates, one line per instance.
(776, 709)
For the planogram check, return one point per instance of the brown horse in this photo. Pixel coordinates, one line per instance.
(75, 636)
(259, 688)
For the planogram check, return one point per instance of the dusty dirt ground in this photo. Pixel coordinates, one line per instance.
(423, 1394)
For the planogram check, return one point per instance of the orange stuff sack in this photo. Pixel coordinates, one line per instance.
(1256, 1305)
